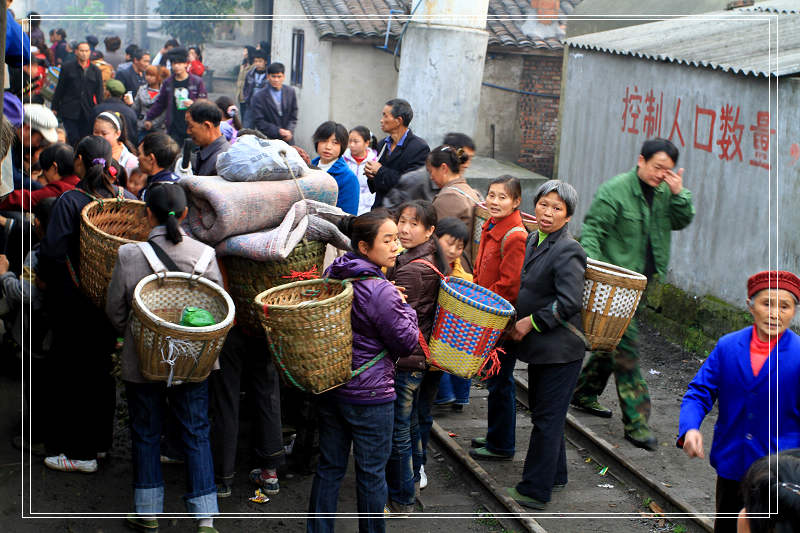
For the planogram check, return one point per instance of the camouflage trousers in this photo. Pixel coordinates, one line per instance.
(634, 397)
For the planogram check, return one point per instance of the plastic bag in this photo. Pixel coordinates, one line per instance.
(196, 317)
(254, 159)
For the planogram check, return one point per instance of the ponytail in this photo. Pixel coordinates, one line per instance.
(367, 135)
(363, 227)
(167, 202)
(100, 172)
(448, 155)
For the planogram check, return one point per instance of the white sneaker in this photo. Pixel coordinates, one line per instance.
(60, 462)
(423, 479)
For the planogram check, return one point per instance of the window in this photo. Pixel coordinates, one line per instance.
(297, 58)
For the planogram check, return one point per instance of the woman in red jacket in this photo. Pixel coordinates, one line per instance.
(498, 267)
(56, 161)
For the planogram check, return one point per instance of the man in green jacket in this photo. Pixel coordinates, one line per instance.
(629, 225)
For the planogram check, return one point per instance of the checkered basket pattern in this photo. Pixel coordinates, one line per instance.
(468, 323)
(611, 295)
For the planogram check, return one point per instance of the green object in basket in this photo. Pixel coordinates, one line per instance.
(196, 317)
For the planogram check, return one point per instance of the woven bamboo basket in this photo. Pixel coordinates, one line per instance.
(481, 215)
(611, 295)
(104, 228)
(248, 278)
(468, 323)
(308, 328)
(168, 351)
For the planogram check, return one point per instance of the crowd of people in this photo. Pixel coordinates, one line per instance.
(114, 127)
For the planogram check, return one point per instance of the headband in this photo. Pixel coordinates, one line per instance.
(112, 118)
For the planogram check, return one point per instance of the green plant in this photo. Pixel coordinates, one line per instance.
(647, 501)
(196, 32)
(88, 11)
(678, 528)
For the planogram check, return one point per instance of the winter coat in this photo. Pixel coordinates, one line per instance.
(409, 155)
(553, 273)
(365, 197)
(619, 223)
(499, 264)
(131, 79)
(380, 321)
(758, 415)
(347, 200)
(141, 105)
(26, 199)
(267, 118)
(249, 87)
(457, 199)
(421, 283)
(166, 96)
(78, 91)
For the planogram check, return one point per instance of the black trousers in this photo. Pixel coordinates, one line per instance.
(728, 501)
(550, 388)
(245, 357)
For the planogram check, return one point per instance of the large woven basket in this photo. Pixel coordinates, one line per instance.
(168, 351)
(481, 215)
(468, 323)
(308, 327)
(104, 228)
(248, 278)
(611, 295)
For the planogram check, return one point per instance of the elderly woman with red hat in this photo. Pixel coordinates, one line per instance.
(744, 374)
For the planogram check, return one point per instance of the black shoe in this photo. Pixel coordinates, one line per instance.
(645, 441)
(593, 408)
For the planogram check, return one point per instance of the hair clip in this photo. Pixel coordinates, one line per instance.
(793, 487)
(172, 213)
(113, 171)
(99, 161)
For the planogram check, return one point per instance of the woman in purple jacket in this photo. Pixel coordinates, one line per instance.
(361, 412)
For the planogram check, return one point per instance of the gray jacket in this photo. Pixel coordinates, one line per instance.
(131, 267)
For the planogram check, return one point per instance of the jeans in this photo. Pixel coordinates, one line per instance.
(146, 407)
(502, 408)
(453, 389)
(427, 392)
(401, 471)
(368, 428)
(549, 391)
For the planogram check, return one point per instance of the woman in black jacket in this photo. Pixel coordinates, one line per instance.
(550, 338)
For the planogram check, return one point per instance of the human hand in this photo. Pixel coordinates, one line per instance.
(127, 99)
(3, 264)
(372, 168)
(303, 154)
(286, 135)
(675, 181)
(401, 291)
(522, 327)
(147, 125)
(187, 102)
(693, 442)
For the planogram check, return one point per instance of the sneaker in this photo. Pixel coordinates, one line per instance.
(397, 510)
(137, 523)
(266, 479)
(223, 490)
(642, 438)
(457, 407)
(423, 478)
(593, 408)
(525, 501)
(478, 442)
(60, 462)
(166, 460)
(484, 453)
(446, 401)
(558, 487)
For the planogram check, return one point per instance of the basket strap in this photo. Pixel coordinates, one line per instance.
(427, 351)
(366, 366)
(428, 263)
(515, 229)
(205, 260)
(72, 273)
(570, 327)
(276, 353)
(152, 259)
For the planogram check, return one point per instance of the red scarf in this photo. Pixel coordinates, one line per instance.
(760, 350)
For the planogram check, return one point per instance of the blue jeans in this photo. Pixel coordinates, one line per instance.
(453, 389)
(502, 408)
(400, 471)
(427, 392)
(189, 404)
(368, 428)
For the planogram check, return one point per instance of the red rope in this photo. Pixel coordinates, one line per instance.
(302, 275)
(493, 359)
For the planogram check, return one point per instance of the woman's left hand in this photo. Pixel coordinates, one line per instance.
(522, 327)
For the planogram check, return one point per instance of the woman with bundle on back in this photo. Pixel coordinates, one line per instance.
(360, 413)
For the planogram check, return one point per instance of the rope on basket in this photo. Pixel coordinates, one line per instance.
(570, 327)
(173, 347)
(282, 153)
(301, 275)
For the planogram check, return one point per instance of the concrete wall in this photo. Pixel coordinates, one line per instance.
(739, 206)
(313, 98)
(499, 107)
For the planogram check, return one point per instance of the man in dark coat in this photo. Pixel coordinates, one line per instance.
(400, 152)
(274, 108)
(114, 103)
(133, 77)
(79, 89)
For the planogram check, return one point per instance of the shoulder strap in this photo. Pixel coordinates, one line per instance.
(431, 265)
(152, 259)
(204, 261)
(515, 229)
(162, 255)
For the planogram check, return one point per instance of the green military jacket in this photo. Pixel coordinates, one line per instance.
(619, 222)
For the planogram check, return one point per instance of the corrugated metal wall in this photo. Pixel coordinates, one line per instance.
(608, 111)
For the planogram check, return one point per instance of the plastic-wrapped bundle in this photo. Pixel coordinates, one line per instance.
(254, 159)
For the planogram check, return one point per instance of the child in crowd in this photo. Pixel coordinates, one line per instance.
(111, 126)
(330, 141)
(498, 267)
(743, 375)
(145, 97)
(360, 150)
(230, 124)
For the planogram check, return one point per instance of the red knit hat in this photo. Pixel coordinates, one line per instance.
(773, 279)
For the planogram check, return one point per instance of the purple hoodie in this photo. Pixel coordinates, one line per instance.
(380, 321)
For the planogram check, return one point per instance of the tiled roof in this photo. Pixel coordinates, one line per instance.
(510, 23)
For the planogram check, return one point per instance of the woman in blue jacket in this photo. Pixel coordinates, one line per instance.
(330, 141)
(745, 373)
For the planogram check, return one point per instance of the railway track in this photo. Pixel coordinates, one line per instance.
(582, 438)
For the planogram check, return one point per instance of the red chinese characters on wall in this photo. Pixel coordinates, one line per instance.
(633, 108)
(730, 138)
(761, 132)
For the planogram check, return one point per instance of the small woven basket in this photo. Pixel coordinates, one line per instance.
(104, 228)
(611, 295)
(481, 215)
(248, 278)
(308, 327)
(168, 351)
(468, 323)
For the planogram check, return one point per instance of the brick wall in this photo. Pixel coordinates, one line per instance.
(538, 115)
